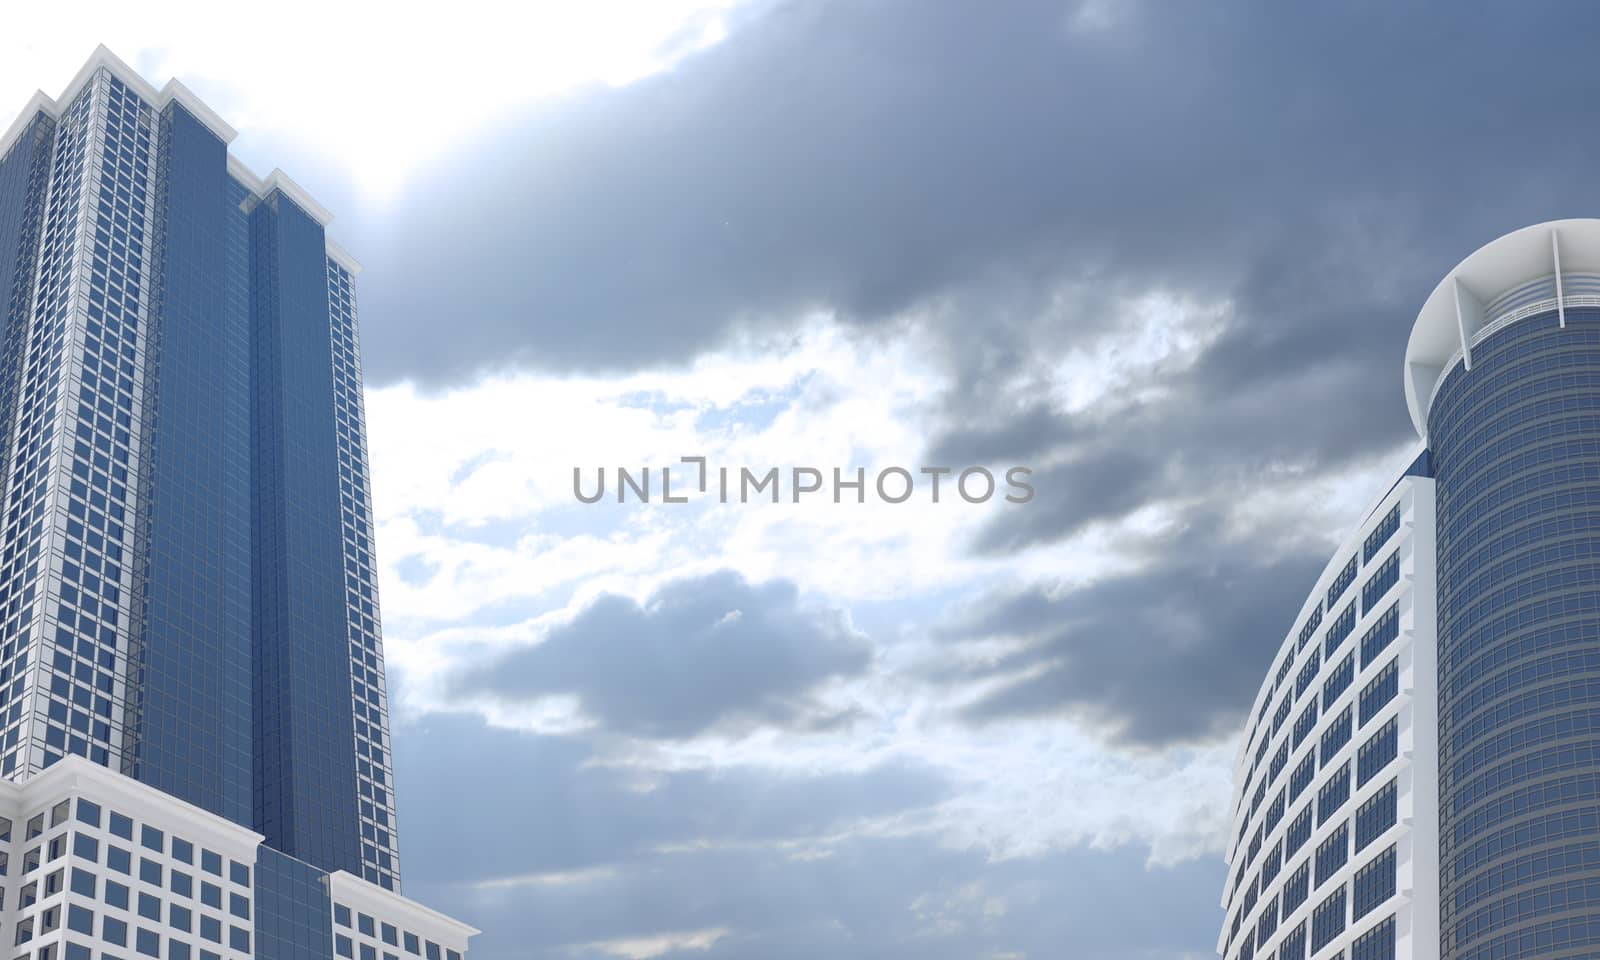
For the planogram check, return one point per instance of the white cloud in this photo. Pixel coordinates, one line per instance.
(375, 88)
(483, 547)
(644, 948)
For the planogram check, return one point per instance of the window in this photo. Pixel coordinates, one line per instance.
(1306, 633)
(211, 895)
(85, 847)
(239, 873)
(1305, 723)
(1376, 815)
(1374, 884)
(1380, 690)
(1308, 673)
(1375, 944)
(1268, 924)
(1379, 636)
(147, 942)
(88, 812)
(1293, 946)
(211, 862)
(364, 924)
(1376, 753)
(80, 920)
(150, 871)
(1380, 534)
(1275, 811)
(1378, 585)
(1337, 734)
(152, 839)
(1301, 778)
(119, 859)
(121, 826)
(1281, 714)
(1327, 920)
(149, 907)
(114, 931)
(83, 883)
(1333, 853)
(341, 915)
(116, 895)
(1299, 832)
(1340, 630)
(1279, 761)
(1339, 680)
(1297, 888)
(1335, 791)
(1272, 863)
(182, 851)
(1342, 582)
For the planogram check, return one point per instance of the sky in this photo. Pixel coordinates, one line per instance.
(1165, 255)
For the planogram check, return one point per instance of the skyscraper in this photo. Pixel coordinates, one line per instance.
(189, 621)
(1420, 775)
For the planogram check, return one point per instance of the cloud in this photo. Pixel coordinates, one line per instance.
(776, 866)
(1168, 653)
(570, 817)
(698, 653)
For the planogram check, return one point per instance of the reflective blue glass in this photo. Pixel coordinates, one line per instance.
(1515, 447)
(305, 740)
(294, 917)
(192, 647)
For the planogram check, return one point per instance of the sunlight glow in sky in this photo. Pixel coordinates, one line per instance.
(374, 89)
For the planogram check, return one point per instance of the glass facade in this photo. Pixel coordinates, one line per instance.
(1516, 448)
(191, 652)
(187, 585)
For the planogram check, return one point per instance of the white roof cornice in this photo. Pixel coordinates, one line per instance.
(175, 91)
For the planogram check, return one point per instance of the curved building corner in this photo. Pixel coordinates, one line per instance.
(1420, 772)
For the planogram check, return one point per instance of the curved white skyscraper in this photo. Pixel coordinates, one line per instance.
(1420, 775)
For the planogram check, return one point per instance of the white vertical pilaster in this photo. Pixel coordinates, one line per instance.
(1469, 318)
(1561, 300)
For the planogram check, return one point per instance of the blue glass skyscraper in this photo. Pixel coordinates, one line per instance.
(187, 585)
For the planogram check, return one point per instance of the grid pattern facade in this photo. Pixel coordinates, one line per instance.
(191, 660)
(1336, 867)
(71, 491)
(187, 586)
(1516, 441)
(92, 879)
(380, 853)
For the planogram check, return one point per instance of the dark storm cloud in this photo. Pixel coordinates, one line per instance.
(699, 653)
(699, 852)
(1172, 652)
(873, 157)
